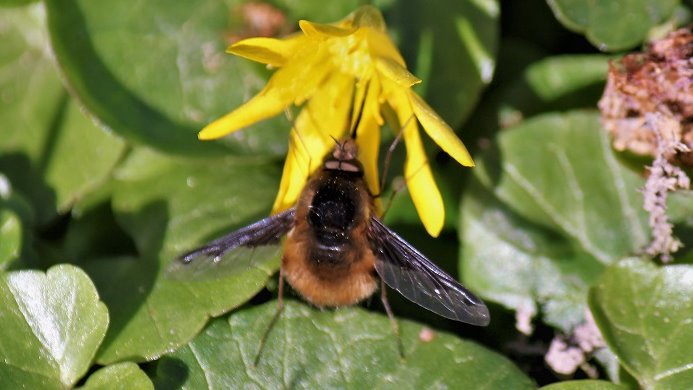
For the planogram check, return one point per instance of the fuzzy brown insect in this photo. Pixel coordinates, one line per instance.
(337, 249)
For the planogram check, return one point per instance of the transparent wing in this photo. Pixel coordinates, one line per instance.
(252, 246)
(406, 270)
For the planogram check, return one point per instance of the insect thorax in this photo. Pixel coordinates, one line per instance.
(334, 209)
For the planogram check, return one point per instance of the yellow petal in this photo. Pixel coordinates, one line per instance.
(368, 143)
(381, 46)
(420, 182)
(324, 30)
(368, 137)
(268, 103)
(293, 178)
(395, 72)
(306, 72)
(368, 16)
(325, 116)
(292, 83)
(270, 51)
(439, 131)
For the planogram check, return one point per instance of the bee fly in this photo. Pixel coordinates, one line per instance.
(336, 248)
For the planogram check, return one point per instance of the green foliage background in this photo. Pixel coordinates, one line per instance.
(103, 182)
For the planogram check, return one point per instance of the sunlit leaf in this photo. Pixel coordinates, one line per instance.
(156, 72)
(169, 206)
(81, 158)
(53, 323)
(51, 151)
(10, 236)
(347, 348)
(645, 314)
(549, 207)
(118, 376)
(584, 385)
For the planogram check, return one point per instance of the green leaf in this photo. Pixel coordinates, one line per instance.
(15, 3)
(51, 151)
(584, 385)
(606, 24)
(202, 197)
(17, 221)
(119, 376)
(156, 72)
(680, 207)
(549, 206)
(94, 233)
(315, 10)
(10, 236)
(169, 206)
(348, 348)
(52, 325)
(450, 45)
(645, 315)
(81, 157)
(554, 84)
(25, 114)
(558, 83)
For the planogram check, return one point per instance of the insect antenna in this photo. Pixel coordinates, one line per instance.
(336, 141)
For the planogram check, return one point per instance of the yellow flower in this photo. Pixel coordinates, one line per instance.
(334, 71)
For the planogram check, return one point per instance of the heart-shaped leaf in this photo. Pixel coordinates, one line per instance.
(348, 348)
(645, 314)
(169, 206)
(119, 376)
(606, 24)
(52, 324)
(534, 226)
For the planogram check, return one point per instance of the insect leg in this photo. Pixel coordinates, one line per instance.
(388, 157)
(275, 317)
(386, 167)
(391, 316)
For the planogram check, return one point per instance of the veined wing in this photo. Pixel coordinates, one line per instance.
(250, 246)
(408, 271)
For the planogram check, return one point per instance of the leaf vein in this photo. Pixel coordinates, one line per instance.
(627, 210)
(525, 184)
